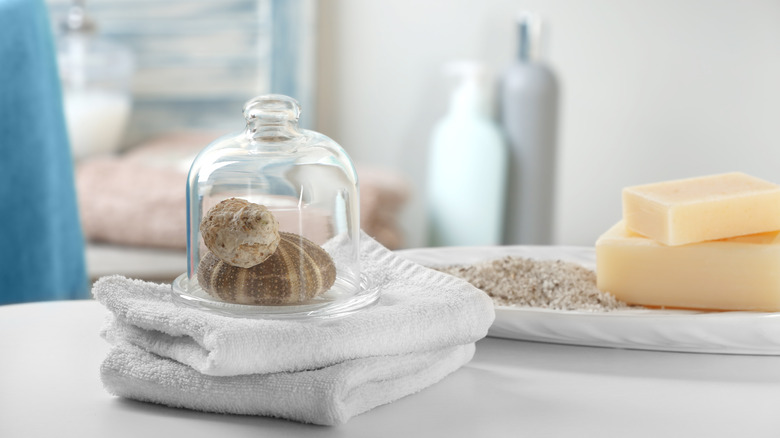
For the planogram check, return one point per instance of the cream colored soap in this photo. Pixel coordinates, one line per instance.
(700, 209)
(741, 273)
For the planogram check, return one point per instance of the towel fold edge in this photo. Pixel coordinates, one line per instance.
(328, 396)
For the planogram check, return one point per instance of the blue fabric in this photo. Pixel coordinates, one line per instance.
(41, 244)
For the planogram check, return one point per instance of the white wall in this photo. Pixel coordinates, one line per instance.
(652, 90)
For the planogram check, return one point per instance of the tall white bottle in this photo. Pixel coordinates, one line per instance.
(529, 115)
(466, 168)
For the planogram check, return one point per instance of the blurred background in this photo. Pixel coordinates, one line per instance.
(648, 91)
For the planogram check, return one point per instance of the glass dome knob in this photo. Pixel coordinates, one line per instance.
(272, 117)
(272, 108)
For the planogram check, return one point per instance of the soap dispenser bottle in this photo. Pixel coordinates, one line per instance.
(529, 112)
(466, 167)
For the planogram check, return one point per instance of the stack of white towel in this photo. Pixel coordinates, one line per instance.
(321, 371)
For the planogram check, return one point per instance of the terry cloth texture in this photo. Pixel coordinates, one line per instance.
(326, 396)
(422, 328)
(138, 198)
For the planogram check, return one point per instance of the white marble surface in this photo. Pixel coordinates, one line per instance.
(50, 386)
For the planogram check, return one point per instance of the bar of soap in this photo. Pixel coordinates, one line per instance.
(700, 209)
(741, 273)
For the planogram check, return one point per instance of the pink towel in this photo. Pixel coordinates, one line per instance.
(138, 198)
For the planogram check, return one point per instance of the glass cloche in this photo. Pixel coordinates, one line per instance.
(273, 221)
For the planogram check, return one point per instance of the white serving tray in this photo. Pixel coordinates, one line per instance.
(646, 329)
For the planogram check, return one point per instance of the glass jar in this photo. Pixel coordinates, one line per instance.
(96, 75)
(273, 221)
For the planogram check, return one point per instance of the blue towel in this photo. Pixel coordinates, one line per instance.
(41, 244)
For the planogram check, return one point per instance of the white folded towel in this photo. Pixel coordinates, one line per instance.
(420, 310)
(326, 396)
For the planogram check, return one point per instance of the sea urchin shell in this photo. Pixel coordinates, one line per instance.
(297, 271)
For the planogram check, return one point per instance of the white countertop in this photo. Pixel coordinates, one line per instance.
(50, 386)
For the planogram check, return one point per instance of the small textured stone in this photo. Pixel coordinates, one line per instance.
(240, 232)
(298, 271)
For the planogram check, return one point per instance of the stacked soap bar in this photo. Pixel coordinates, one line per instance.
(703, 243)
(699, 209)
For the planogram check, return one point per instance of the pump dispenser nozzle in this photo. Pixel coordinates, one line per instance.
(469, 94)
(529, 31)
